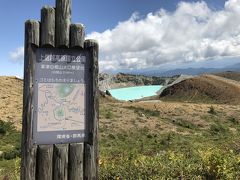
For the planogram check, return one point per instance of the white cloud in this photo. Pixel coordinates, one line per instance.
(193, 32)
(17, 55)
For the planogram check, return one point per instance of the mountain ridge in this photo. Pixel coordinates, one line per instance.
(191, 71)
(204, 88)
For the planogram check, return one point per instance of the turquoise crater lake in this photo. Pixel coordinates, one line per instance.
(137, 92)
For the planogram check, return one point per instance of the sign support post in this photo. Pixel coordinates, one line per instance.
(65, 158)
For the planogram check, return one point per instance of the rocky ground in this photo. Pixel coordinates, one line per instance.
(107, 81)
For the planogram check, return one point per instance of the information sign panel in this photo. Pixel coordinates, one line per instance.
(60, 96)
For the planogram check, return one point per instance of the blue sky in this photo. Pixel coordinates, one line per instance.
(105, 20)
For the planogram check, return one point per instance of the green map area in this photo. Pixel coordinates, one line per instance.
(61, 106)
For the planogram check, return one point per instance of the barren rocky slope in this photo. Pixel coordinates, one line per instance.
(107, 81)
(205, 88)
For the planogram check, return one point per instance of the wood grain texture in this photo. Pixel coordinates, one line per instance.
(62, 40)
(48, 26)
(44, 162)
(63, 22)
(77, 36)
(75, 167)
(60, 162)
(32, 29)
(45, 152)
(76, 150)
(91, 155)
(28, 163)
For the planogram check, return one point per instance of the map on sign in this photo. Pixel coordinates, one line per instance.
(61, 92)
(61, 106)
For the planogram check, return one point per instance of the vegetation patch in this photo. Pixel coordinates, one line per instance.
(145, 112)
(107, 113)
(183, 123)
(234, 120)
(141, 154)
(10, 141)
(212, 111)
(10, 150)
(218, 129)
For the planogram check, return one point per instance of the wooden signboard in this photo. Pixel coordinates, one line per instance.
(60, 96)
(60, 104)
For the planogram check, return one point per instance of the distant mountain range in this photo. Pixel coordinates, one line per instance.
(191, 71)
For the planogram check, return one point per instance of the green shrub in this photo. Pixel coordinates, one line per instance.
(2, 130)
(10, 169)
(10, 142)
(111, 136)
(217, 164)
(212, 111)
(109, 115)
(202, 164)
(11, 154)
(146, 112)
(184, 123)
(218, 129)
(6, 127)
(234, 120)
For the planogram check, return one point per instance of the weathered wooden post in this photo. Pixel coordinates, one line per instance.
(60, 105)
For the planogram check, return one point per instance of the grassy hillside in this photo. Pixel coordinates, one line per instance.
(148, 140)
(229, 75)
(204, 89)
(169, 140)
(11, 100)
(10, 126)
